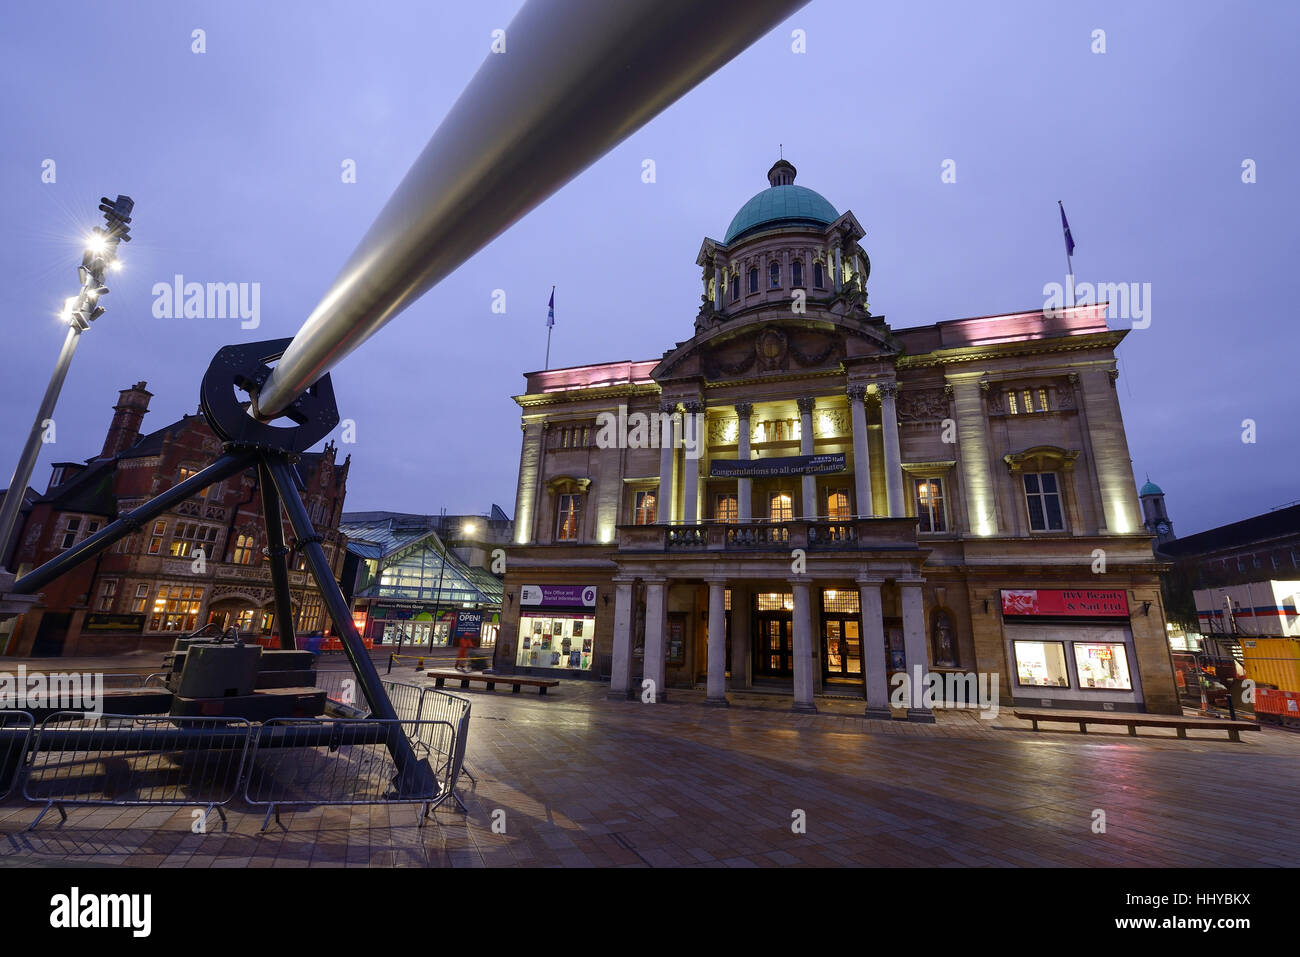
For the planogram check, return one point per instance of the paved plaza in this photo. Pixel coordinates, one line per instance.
(577, 780)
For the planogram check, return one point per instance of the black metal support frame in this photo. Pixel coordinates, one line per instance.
(272, 450)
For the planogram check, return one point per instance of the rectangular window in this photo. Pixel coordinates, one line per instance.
(645, 509)
(726, 508)
(189, 537)
(185, 473)
(1042, 400)
(1029, 400)
(1102, 666)
(156, 539)
(175, 608)
(569, 519)
(780, 507)
(1012, 408)
(841, 602)
(930, 513)
(1041, 664)
(92, 526)
(244, 550)
(107, 592)
(837, 504)
(1043, 498)
(774, 601)
(70, 533)
(753, 280)
(566, 641)
(141, 599)
(735, 287)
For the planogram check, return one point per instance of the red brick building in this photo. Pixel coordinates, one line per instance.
(152, 585)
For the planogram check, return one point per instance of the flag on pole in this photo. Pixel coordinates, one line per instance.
(550, 310)
(1065, 225)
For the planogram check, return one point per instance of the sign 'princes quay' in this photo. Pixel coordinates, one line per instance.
(789, 465)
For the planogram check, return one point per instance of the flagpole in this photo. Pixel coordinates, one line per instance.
(550, 324)
(1069, 261)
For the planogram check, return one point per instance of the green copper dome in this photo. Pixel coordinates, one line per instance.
(1151, 488)
(781, 206)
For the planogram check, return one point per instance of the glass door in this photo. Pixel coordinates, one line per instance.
(775, 646)
(842, 644)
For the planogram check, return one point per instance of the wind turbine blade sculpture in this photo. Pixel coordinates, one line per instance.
(574, 79)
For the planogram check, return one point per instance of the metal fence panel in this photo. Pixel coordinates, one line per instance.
(342, 687)
(121, 760)
(15, 736)
(408, 700)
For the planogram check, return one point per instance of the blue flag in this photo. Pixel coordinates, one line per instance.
(550, 310)
(1065, 224)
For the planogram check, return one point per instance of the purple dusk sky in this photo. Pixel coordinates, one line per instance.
(234, 158)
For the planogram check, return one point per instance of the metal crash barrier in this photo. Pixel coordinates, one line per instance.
(17, 736)
(315, 761)
(113, 760)
(415, 703)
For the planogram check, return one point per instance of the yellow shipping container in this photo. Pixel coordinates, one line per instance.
(1272, 661)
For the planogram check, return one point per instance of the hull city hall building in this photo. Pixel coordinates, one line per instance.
(834, 500)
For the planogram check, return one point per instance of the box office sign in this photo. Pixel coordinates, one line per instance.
(789, 465)
(558, 596)
(1065, 603)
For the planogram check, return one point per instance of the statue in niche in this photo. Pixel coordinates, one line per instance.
(942, 640)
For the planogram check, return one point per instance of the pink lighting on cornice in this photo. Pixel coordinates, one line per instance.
(593, 376)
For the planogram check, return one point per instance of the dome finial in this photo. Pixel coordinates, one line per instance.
(782, 173)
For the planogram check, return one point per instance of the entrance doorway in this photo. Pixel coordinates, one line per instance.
(841, 636)
(50, 634)
(774, 621)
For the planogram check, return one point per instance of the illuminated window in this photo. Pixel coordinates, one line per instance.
(774, 601)
(837, 504)
(189, 537)
(107, 593)
(780, 507)
(645, 508)
(1029, 400)
(1043, 497)
(725, 507)
(156, 539)
(567, 641)
(569, 518)
(819, 275)
(1041, 664)
(141, 599)
(796, 273)
(175, 608)
(1012, 407)
(245, 550)
(929, 505)
(186, 473)
(1042, 400)
(774, 276)
(753, 279)
(1102, 666)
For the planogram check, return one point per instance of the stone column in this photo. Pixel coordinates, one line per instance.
(664, 503)
(914, 647)
(839, 274)
(744, 486)
(803, 646)
(656, 628)
(875, 666)
(620, 679)
(717, 680)
(530, 466)
(806, 407)
(740, 636)
(861, 452)
(718, 280)
(893, 465)
(692, 449)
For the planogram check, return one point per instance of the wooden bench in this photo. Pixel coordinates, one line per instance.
(515, 681)
(1135, 720)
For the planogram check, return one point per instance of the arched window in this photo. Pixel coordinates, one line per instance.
(753, 279)
(819, 276)
(796, 273)
(774, 275)
(245, 550)
(943, 640)
(735, 287)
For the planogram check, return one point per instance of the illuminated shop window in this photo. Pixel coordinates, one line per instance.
(1102, 665)
(1041, 663)
(560, 641)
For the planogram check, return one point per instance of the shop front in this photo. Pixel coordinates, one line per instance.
(1071, 649)
(557, 628)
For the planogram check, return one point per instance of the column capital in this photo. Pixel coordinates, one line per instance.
(694, 406)
(806, 404)
(857, 393)
(870, 581)
(744, 409)
(909, 582)
(715, 580)
(668, 405)
(654, 581)
(888, 390)
(797, 580)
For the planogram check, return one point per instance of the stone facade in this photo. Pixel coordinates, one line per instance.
(704, 492)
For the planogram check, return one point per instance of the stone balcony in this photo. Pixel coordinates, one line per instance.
(857, 534)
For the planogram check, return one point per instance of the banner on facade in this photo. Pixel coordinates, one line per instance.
(106, 622)
(788, 465)
(558, 596)
(1064, 603)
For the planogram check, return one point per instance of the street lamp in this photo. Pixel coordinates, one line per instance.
(79, 312)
